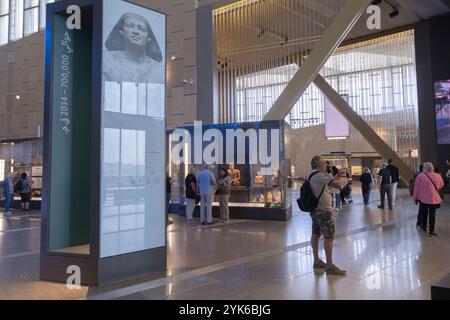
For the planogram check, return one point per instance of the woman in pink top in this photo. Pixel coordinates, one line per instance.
(426, 192)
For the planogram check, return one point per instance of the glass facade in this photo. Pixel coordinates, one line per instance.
(377, 76)
(19, 18)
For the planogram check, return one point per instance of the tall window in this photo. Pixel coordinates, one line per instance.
(31, 17)
(19, 18)
(4, 21)
(42, 14)
(16, 20)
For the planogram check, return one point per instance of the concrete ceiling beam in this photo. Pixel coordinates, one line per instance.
(366, 131)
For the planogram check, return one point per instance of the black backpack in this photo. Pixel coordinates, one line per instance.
(307, 201)
(19, 186)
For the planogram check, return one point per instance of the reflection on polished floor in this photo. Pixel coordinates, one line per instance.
(384, 254)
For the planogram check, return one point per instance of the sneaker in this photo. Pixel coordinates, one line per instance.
(319, 265)
(169, 222)
(203, 223)
(337, 209)
(380, 207)
(431, 234)
(227, 222)
(8, 214)
(335, 271)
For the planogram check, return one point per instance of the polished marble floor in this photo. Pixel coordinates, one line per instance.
(384, 254)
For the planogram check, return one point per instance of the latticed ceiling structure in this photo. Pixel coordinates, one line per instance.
(260, 45)
(259, 31)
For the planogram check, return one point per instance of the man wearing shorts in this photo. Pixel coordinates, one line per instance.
(322, 217)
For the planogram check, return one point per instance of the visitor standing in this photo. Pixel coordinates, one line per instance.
(8, 193)
(395, 175)
(329, 168)
(366, 185)
(335, 192)
(223, 191)
(168, 197)
(322, 216)
(376, 177)
(385, 186)
(23, 187)
(411, 190)
(191, 194)
(206, 183)
(426, 194)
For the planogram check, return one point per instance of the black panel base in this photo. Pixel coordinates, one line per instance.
(441, 289)
(54, 268)
(123, 267)
(96, 272)
(253, 213)
(34, 205)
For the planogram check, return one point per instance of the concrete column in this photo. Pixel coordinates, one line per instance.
(206, 66)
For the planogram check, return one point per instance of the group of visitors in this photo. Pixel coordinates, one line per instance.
(339, 195)
(387, 177)
(10, 187)
(323, 185)
(201, 189)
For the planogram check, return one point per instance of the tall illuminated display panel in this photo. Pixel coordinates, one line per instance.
(105, 147)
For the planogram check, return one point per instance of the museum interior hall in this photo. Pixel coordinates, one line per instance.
(199, 149)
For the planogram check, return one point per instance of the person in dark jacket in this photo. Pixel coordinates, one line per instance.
(395, 175)
(168, 196)
(191, 194)
(385, 186)
(419, 215)
(366, 185)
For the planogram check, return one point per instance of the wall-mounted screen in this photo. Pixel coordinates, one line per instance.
(336, 126)
(442, 106)
(133, 209)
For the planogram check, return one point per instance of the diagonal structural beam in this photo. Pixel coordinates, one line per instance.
(333, 37)
(366, 131)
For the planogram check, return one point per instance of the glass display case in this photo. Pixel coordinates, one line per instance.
(259, 166)
(23, 156)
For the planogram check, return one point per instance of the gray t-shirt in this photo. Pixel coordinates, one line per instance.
(318, 181)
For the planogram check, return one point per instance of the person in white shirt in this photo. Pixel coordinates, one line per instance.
(336, 192)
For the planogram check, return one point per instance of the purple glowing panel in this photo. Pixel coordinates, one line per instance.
(336, 126)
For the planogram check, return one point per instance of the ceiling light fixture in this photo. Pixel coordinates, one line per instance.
(395, 12)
